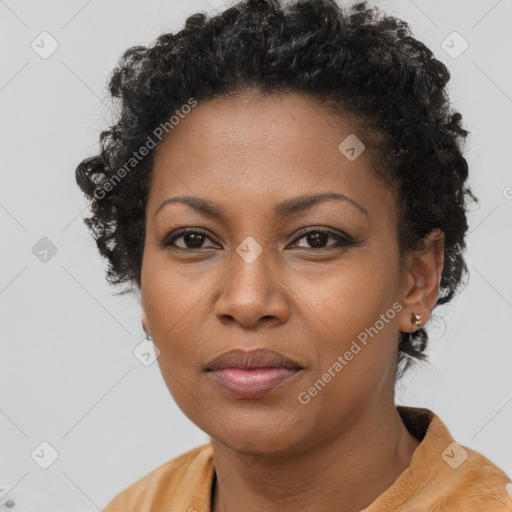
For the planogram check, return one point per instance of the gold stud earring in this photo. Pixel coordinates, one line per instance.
(416, 319)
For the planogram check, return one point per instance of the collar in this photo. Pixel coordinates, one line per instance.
(442, 476)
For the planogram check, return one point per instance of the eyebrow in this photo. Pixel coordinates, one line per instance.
(285, 209)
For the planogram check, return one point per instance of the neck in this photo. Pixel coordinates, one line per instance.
(346, 473)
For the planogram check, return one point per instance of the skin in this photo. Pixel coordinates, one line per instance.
(347, 445)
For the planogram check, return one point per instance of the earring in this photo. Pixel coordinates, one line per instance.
(416, 319)
(148, 337)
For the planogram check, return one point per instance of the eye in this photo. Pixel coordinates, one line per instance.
(317, 238)
(193, 239)
(190, 239)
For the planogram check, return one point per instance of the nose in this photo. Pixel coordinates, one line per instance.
(252, 292)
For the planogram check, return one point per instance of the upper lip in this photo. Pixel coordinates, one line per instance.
(258, 358)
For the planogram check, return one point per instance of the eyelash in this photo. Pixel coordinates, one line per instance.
(344, 240)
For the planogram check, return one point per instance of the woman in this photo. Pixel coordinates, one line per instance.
(285, 187)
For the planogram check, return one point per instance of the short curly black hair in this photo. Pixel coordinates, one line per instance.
(354, 60)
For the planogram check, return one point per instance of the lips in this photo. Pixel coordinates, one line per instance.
(253, 374)
(259, 358)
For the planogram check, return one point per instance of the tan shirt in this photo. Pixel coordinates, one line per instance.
(443, 476)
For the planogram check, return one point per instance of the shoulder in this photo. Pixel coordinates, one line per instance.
(443, 474)
(186, 479)
(469, 479)
(478, 483)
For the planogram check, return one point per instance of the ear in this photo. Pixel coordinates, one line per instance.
(421, 282)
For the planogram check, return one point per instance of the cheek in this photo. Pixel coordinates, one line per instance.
(348, 297)
(178, 359)
(166, 298)
(168, 313)
(356, 318)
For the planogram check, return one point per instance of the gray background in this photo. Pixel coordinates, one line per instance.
(68, 375)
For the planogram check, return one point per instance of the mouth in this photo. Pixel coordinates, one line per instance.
(251, 374)
(251, 382)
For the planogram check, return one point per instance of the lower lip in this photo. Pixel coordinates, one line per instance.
(251, 382)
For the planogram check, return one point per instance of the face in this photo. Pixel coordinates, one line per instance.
(318, 279)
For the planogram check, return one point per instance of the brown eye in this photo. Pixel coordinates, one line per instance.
(190, 240)
(317, 239)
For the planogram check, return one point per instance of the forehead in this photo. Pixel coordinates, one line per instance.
(253, 122)
(262, 149)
